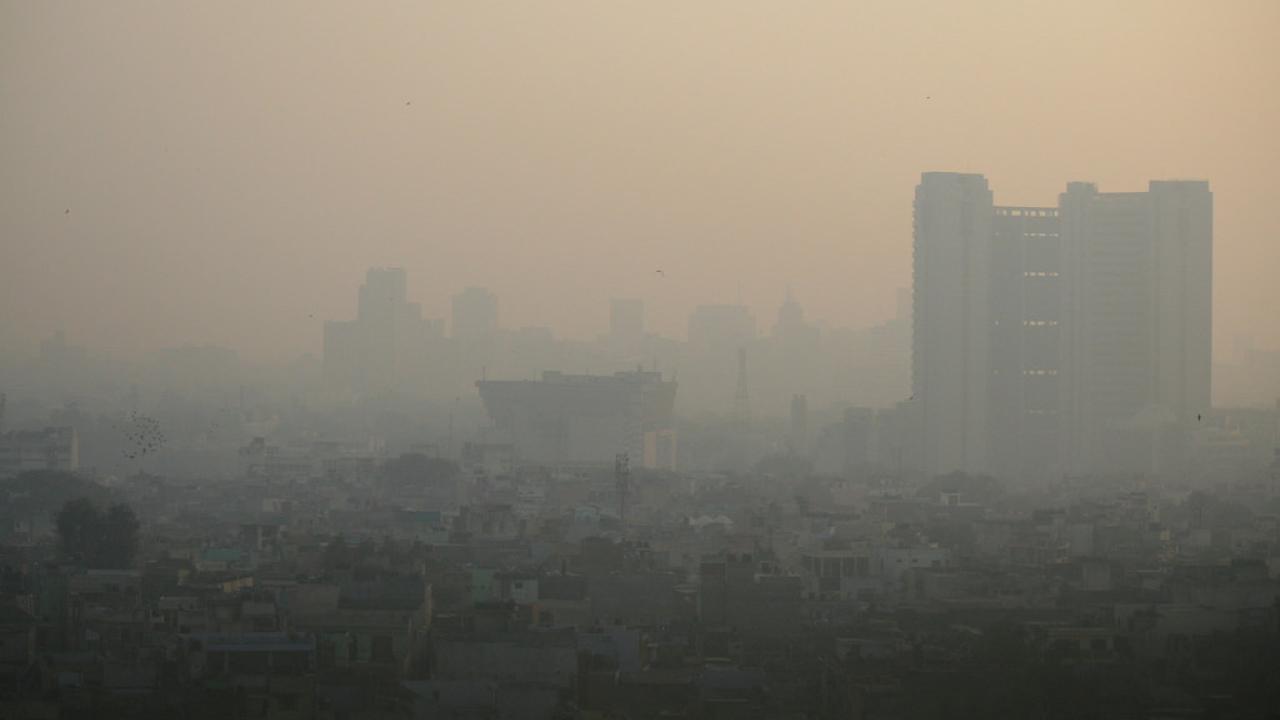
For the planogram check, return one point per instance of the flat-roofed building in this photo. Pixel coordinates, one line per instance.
(584, 419)
(53, 448)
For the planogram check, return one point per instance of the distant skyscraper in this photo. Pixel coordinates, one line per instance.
(384, 295)
(950, 362)
(1060, 340)
(1138, 308)
(1026, 328)
(385, 347)
(791, 329)
(475, 314)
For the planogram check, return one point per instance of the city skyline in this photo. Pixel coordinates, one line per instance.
(442, 311)
(739, 149)
(580, 360)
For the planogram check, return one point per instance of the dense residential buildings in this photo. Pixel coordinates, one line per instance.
(420, 587)
(1038, 506)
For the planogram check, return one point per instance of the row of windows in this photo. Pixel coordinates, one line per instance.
(1039, 323)
(1051, 273)
(1039, 372)
(1026, 212)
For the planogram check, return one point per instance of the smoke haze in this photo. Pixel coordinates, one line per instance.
(224, 172)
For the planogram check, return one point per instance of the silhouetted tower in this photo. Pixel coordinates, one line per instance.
(742, 398)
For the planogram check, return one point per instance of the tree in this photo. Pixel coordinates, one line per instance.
(95, 538)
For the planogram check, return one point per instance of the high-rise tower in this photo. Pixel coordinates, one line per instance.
(1025, 383)
(1138, 309)
(385, 347)
(950, 362)
(1074, 339)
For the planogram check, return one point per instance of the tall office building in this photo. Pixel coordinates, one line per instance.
(386, 346)
(1025, 413)
(791, 330)
(384, 295)
(1138, 311)
(1067, 340)
(950, 362)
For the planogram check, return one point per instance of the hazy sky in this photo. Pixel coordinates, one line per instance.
(231, 169)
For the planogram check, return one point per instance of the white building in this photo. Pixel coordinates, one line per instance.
(53, 448)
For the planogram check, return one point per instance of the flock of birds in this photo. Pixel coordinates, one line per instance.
(143, 436)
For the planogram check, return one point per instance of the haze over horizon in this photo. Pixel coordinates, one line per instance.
(225, 173)
(577, 359)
